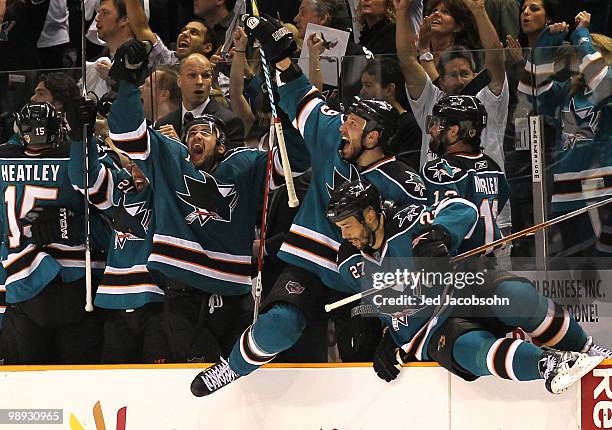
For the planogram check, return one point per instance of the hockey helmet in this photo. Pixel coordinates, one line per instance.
(39, 124)
(350, 199)
(212, 121)
(379, 115)
(465, 111)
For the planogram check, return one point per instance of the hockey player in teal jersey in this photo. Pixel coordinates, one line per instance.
(46, 321)
(133, 331)
(206, 202)
(385, 241)
(342, 148)
(462, 170)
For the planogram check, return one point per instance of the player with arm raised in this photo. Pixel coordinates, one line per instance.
(133, 325)
(342, 148)
(205, 204)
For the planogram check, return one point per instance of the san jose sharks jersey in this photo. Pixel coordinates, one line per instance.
(476, 178)
(412, 322)
(126, 282)
(204, 223)
(27, 181)
(312, 242)
(582, 158)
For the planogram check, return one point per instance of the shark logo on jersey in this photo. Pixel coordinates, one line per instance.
(209, 199)
(131, 221)
(409, 214)
(442, 169)
(339, 179)
(578, 124)
(414, 179)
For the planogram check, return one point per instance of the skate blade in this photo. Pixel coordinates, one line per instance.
(569, 377)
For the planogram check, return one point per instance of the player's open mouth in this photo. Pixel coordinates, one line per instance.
(183, 44)
(344, 144)
(197, 149)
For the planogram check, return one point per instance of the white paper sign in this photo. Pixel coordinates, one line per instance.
(335, 49)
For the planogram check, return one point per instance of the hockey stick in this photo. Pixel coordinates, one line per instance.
(88, 286)
(275, 129)
(330, 307)
(278, 127)
(263, 226)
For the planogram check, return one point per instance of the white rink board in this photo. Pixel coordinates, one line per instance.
(342, 398)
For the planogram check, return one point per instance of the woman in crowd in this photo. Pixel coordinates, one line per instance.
(377, 18)
(577, 112)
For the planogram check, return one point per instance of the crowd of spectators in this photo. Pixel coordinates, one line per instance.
(201, 63)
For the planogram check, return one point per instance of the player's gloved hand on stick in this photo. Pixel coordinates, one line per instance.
(130, 63)
(276, 40)
(386, 363)
(54, 225)
(80, 112)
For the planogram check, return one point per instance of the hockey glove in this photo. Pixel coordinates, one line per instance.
(80, 112)
(130, 63)
(433, 242)
(357, 337)
(386, 363)
(54, 225)
(276, 40)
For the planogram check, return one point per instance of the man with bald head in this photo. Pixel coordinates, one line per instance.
(195, 81)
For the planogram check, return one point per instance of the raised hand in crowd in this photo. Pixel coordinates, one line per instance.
(316, 46)
(169, 131)
(424, 46)
(241, 42)
(474, 5)
(238, 72)
(103, 67)
(402, 5)
(424, 43)
(558, 27)
(583, 19)
(515, 50)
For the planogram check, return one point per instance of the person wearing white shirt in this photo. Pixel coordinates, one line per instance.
(456, 70)
(54, 37)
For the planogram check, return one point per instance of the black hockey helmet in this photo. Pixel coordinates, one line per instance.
(39, 124)
(212, 121)
(379, 115)
(351, 198)
(465, 111)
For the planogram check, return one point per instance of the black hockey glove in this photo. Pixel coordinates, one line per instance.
(80, 112)
(357, 338)
(54, 225)
(433, 242)
(130, 62)
(386, 364)
(276, 40)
